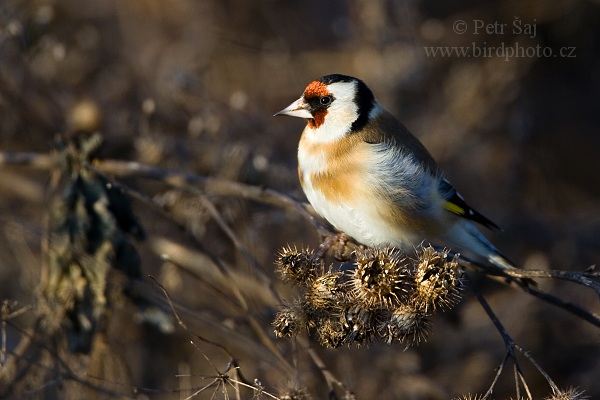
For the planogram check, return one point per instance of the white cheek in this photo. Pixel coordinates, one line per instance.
(342, 114)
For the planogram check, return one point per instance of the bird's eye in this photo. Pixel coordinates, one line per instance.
(326, 100)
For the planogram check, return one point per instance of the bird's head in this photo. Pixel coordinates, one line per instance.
(334, 105)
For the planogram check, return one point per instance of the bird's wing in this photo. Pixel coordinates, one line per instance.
(457, 205)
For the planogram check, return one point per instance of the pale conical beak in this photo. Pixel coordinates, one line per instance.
(299, 109)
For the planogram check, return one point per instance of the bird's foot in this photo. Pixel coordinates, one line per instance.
(340, 246)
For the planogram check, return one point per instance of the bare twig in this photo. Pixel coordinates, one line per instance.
(582, 278)
(64, 371)
(330, 379)
(565, 305)
(201, 266)
(574, 309)
(508, 342)
(232, 365)
(41, 161)
(239, 245)
(488, 394)
(182, 324)
(6, 313)
(527, 355)
(209, 185)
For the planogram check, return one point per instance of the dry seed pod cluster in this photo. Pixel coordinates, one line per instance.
(386, 296)
(570, 393)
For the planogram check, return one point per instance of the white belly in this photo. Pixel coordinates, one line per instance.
(361, 221)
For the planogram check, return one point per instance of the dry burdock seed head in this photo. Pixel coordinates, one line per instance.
(568, 394)
(406, 324)
(387, 296)
(381, 277)
(331, 330)
(325, 291)
(295, 393)
(290, 320)
(300, 266)
(351, 325)
(361, 324)
(437, 280)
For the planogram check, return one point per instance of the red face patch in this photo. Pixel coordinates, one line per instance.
(316, 89)
(318, 119)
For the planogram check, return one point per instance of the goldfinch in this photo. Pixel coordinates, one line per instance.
(366, 174)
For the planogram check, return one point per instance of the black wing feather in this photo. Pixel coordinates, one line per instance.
(457, 205)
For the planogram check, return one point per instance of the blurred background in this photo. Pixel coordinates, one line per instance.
(504, 94)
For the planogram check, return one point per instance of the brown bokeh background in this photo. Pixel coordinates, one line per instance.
(192, 86)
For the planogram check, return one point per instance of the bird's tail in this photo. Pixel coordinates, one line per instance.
(469, 239)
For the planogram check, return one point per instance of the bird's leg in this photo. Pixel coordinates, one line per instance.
(340, 246)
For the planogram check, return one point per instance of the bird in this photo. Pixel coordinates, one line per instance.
(364, 172)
